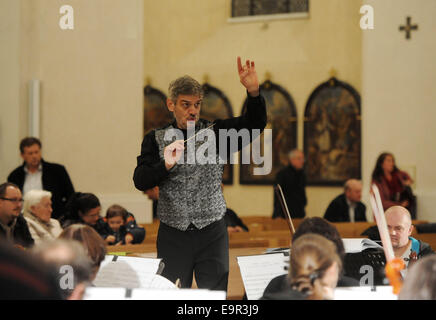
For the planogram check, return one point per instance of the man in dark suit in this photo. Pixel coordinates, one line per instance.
(13, 226)
(35, 173)
(292, 180)
(347, 206)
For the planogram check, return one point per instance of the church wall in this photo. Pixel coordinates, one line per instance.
(92, 78)
(9, 85)
(91, 91)
(398, 81)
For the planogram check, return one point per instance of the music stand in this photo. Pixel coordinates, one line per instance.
(284, 206)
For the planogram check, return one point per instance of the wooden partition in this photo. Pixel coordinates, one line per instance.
(268, 232)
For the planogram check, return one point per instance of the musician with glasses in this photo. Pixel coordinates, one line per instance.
(13, 226)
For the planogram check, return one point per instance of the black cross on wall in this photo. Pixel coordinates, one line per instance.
(408, 28)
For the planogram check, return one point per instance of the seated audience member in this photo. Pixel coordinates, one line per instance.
(24, 277)
(420, 282)
(35, 173)
(347, 206)
(393, 184)
(234, 223)
(122, 227)
(153, 194)
(67, 256)
(37, 212)
(13, 226)
(313, 272)
(92, 242)
(322, 227)
(83, 208)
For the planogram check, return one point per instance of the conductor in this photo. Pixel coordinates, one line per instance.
(192, 236)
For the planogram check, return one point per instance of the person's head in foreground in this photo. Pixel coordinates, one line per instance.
(420, 282)
(92, 242)
(72, 264)
(322, 227)
(314, 267)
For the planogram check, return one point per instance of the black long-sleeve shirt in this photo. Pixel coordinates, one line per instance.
(150, 169)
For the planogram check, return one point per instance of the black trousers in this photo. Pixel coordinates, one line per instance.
(204, 252)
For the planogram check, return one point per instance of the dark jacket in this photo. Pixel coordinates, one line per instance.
(293, 183)
(279, 288)
(21, 233)
(131, 227)
(232, 220)
(104, 230)
(338, 210)
(55, 179)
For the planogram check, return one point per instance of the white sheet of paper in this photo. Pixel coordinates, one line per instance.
(178, 294)
(353, 245)
(365, 293)
(94, 293)
(126, 272)
(258, 270)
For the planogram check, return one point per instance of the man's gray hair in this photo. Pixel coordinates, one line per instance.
(33, 197)
(185, 85)
(348, 184)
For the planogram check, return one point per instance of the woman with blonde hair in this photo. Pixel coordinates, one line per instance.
(314, 270)
(314, 267)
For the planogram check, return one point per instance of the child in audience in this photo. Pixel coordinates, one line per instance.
(122, 227)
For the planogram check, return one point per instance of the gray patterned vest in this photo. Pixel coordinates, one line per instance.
(192, 192)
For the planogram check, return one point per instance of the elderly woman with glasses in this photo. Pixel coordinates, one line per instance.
(37, 211)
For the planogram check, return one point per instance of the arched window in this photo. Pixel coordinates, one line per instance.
(156, 113)
(215, 105)
(332, 134)
(282, 119)
(243, 8)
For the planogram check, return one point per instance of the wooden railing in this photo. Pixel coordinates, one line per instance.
(268, 232)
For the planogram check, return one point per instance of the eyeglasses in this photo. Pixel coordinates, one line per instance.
(13, 200)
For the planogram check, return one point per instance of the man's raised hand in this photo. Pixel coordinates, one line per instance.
(248, 76)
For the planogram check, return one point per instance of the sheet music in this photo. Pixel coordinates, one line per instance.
(365, 293)
(159, 282)
(127, 272)
(353, 245)
(258, 270)
(178, 294)
(94, 293)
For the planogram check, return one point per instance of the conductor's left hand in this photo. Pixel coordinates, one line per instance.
(248, 77)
